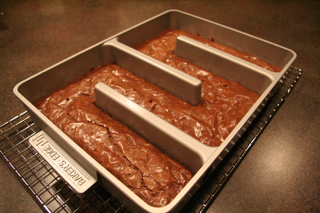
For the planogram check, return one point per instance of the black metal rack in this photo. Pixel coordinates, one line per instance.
(54, 195)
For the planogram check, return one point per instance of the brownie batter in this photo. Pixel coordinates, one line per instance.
(152, 175)
(166, 41)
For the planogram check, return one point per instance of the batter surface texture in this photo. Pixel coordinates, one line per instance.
(148, 172)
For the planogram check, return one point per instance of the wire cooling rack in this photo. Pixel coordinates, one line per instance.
(53, 194)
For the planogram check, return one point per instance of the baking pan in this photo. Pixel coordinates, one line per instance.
(118, 49)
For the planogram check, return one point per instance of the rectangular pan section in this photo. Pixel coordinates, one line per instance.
(160, 133)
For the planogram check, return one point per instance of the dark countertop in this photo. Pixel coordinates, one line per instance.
(281, 173)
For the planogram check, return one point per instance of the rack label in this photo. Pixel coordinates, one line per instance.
(76, 176)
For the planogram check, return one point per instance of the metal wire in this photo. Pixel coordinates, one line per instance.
(55, 195)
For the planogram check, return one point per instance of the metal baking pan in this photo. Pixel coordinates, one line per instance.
(118, 49)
